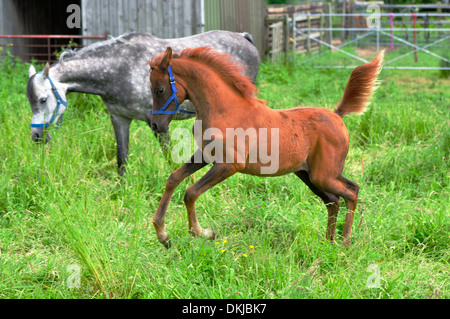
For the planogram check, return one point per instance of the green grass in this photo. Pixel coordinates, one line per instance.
(62, 204)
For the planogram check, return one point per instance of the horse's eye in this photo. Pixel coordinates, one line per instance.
(159, 91)
(43, 100)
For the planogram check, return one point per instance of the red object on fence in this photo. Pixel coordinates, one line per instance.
(48, 44)
(391, 19)
(414, 19)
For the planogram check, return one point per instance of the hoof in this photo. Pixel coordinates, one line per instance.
(165, 240)
(209, 234)
(347, 243)
(167, 243)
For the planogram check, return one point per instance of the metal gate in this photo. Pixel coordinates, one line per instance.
(384, 34)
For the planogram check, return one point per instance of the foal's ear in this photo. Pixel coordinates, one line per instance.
(46, 70)
(167, 59)
(149, 62)
(31, 71)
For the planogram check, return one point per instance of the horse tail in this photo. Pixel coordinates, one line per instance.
(360, 87)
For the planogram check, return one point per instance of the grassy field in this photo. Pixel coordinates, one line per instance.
(69, 228)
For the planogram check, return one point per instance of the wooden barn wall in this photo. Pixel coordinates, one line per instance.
(2, 18)
(8, 15)
(164, 19)
(238, 16)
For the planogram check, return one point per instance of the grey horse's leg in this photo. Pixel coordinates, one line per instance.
(166, 147)
(164, 142)
(122, 130)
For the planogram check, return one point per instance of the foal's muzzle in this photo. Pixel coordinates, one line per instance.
(159, 127)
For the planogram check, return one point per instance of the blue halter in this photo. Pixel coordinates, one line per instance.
(60, 101)
(173, 97)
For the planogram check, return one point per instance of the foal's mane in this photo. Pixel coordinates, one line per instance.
(231, 71)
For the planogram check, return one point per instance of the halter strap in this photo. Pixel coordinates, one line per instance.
(173, 97)
(59, 102)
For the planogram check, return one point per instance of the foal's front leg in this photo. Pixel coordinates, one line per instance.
(173, 181)
(217, 174)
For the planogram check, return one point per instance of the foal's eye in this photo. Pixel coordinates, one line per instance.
(43, 100)
(159, 90)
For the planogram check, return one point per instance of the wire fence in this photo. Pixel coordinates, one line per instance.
(388, 34)
(356, 29)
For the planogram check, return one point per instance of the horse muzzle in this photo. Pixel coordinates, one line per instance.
(38, 136)
(159, 127)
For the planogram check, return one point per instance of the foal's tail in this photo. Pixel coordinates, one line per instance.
(360, 87)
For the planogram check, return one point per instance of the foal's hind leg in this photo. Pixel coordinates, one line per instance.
(348, 190)
(331, 202)
(351, 206)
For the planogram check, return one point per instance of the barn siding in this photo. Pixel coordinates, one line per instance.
(212, 15)
(2, 18)
(162, 18)
(165, 19)
(238, 16)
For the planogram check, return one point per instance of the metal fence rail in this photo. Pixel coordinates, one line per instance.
(25, 49)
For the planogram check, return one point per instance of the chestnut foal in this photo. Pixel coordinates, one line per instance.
(309, 142)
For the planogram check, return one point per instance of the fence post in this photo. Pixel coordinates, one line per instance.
(350, 19)
(328, 24)
(321, 34)
(49, 54)
(414, 19)
(286, 37)
(308, 40)
(391, 22)
(343, 20)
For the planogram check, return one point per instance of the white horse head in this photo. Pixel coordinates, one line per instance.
(47, 99)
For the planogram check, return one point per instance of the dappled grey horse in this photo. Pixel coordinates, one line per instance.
(117, 71)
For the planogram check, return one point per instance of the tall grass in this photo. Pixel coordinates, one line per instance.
(62, 204)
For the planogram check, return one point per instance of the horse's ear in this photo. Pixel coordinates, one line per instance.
(31, 71)
(167, 59)
(175, 55)
(149, 62)
(46, 70)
